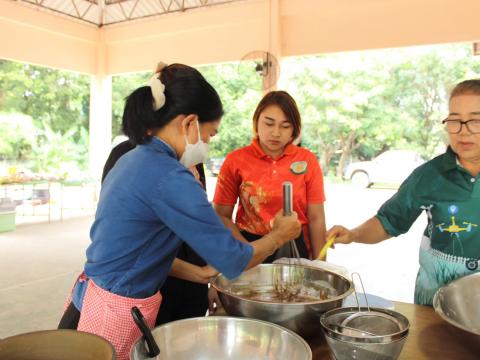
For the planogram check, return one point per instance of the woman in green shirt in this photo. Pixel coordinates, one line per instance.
(447, 188)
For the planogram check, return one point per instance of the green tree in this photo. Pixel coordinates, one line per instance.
(17, 136)
(419, 88)
(360, 104)
(341, 106)
(54, 145)
(59, 98)
(240, 92)
(55, 105)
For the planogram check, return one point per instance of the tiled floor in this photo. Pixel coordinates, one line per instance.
(38, 265)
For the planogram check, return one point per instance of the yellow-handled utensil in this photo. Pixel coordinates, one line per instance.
(325, 247)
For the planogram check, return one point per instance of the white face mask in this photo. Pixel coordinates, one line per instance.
(194, 153)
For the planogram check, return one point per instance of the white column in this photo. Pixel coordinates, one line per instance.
(100, 123)
(274, 41)
(100, 113)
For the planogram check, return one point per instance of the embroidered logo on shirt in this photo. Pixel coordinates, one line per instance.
(299, 167)
(453, 228)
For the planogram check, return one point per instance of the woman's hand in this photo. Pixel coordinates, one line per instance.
(213, 301)
(370, 232)
(286, 228)
(205, 274)
(342, 234)
(190, 272)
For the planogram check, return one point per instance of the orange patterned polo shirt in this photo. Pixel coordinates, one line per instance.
(253, 177)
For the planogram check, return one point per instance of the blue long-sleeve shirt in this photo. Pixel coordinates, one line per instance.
(149, 203)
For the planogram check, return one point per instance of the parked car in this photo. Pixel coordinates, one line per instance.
(392, 166)
(214, 164)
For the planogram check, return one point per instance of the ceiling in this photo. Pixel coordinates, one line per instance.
(106, 12)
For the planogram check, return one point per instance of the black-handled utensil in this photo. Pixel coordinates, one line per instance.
(152, 347)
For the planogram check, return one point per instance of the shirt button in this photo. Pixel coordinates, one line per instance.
(472, 180)
(274, 171)
(274, 162)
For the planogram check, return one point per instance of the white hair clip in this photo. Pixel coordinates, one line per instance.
(157, 91)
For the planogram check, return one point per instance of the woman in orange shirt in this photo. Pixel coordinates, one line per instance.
(254, 174)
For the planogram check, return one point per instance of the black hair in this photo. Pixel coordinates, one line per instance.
(186, 92)
(286, 103)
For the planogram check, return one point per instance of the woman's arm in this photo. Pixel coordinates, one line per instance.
(225, 213)
(316, 227)
(187, 271)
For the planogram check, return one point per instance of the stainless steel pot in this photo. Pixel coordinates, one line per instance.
(222, 337)
(458, 303)
(303, 318)
(56, 345)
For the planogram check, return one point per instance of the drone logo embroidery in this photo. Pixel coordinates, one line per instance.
(453, 228)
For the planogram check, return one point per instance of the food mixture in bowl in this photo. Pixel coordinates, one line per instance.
(313, 290)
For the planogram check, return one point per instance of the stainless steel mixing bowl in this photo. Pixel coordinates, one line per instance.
(56, 345)
(303, 318)
(458, 303)
(222, 337)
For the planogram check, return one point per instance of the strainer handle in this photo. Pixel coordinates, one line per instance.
(355, 290)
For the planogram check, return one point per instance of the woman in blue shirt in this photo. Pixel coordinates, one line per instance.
(150, 200)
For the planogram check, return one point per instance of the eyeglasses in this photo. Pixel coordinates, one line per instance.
(455, 126)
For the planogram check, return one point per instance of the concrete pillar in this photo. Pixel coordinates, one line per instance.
(274, 42)
(100, 124)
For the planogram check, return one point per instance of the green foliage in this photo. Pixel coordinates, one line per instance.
(54, 145)
(59, 98)
(360, 104)
(17, 136)
(353, 105)
(45, 117)
(236, 89)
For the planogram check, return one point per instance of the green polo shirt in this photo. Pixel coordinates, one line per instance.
(450, 196)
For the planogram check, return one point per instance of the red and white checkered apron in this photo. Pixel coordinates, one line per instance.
(108, 315)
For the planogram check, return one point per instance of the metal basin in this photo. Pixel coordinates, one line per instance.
(56, 345)
(458, 304)
(222, 337)
(301, 317)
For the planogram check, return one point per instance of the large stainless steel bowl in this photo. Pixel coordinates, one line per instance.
(56, 345)
(303, 318)
(458, 303)
(222, 337)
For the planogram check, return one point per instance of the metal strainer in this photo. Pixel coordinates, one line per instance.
(369, 322)
(364, 333)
